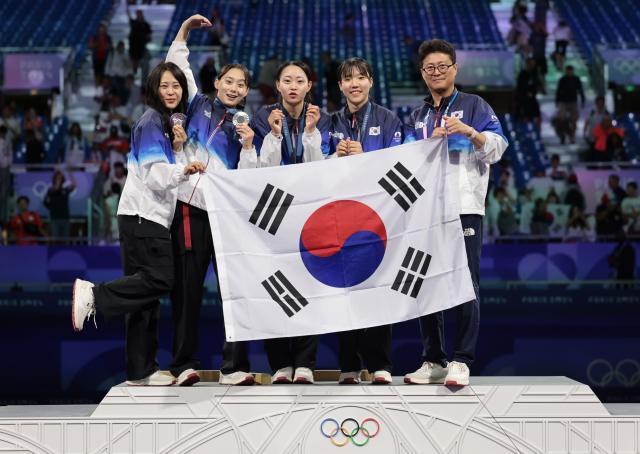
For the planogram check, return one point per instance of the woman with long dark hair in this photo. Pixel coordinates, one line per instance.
(219, 140)
(290, 132)
(145, 213)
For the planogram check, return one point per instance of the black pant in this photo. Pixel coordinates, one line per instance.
(147, 262)
(370, 345)
(191, 224)
(467, 314)
(292, 352)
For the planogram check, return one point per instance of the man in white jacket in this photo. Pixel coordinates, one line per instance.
(475, 141)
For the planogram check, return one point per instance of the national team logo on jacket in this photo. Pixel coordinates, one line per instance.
(207, 113)
(374, 131)
(337, 135)
(458, 114)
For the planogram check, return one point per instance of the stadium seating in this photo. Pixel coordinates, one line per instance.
(526, 152)
(42, 23)
(631, 125)
(296, 29)
(615, 23)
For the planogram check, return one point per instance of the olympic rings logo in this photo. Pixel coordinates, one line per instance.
(601, 372)
(350, 430)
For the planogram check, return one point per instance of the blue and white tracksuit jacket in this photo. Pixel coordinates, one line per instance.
(473, 164)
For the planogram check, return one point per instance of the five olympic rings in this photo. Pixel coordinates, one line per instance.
(350, 428)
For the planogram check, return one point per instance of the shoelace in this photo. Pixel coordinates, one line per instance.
(92, 313)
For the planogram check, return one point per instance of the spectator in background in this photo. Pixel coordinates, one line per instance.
(623, 258)
(118, 175)
(507, 222)
(57, 201)
(100, 45)
(11, 122)
(331, 82)
(35, 148)
(601, 135)
(556, 171)
(615, 191)
(562, 36)
(538, 43)
(139, 37)
(527, 87)
(115, 147)
(111, 200)
(567, 93)
(411, 47)
(630, 207)
(577, 227)
(77, 149)
(25, 227)
(615, 148)
(552, 197)
(6, 159)
(118, 68)
(33, 122)
(520, 31)
(541, 219)
(595, 117)
(573, 195)
(207, 76)
(608, 218)
(266, 80)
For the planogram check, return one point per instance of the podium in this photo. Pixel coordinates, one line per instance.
(492, 415)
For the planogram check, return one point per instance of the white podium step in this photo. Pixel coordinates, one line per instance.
(493, 415)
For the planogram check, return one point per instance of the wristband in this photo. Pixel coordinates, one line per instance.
(474, 134)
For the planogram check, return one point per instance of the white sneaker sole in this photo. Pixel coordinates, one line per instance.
(190, 379)
(420, 381)
(247, 381)
(73, 307)
(452, 382)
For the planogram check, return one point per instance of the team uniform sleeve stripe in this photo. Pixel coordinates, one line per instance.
(280, 215)
(261, 203)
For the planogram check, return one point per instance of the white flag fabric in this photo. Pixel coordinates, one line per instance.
(338, 244)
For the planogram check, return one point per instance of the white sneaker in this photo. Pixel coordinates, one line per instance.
(381, 377)
(237, 378)
(303, 376)
(349, 378)
(188, 377)
(282, 376)
(428, 373)
(155, 379)
(458, 374)
(82, 304)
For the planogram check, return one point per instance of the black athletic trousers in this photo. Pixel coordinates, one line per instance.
(371, 346)
(467, 314)
(147, 262)
(292, 352)
(193, 251)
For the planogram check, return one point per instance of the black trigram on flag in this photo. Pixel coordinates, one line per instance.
(412, 272)
(400, 179)
(271, 208)
(284, 293)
